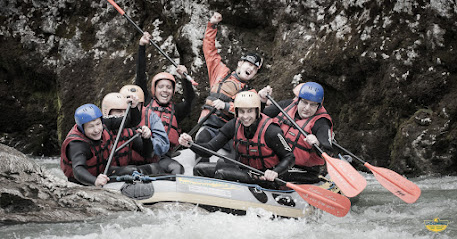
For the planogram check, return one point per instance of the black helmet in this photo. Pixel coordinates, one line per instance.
(253, 58)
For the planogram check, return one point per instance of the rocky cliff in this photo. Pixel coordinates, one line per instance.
(388, 67)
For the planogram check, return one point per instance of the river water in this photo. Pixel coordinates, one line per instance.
(376, 214)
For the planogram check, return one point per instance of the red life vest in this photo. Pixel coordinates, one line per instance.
(304, 153)
(126, 155)
(167, 115)
(100, 153)
(255, 152)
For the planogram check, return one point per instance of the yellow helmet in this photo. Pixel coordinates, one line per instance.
(247, 99)
(115, 101)
(127, 90)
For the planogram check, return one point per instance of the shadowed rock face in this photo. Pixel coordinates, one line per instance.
(29, 193)
(388, 68)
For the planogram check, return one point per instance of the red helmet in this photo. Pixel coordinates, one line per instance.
(162, 76)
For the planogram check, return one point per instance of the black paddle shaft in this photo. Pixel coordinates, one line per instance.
(195, 128)
(127, 142)
(293, 122)
(155, 45)
(348, 152)
(234, 161)
(121, 127)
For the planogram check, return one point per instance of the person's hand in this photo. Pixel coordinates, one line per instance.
(311, 140)
(134, 99)
(269, 175)
(216, 18)
(267, 90)
(144, 40)
(101, 180)
(219, 104)
(145, 132)
(181, 70)
(185, 140)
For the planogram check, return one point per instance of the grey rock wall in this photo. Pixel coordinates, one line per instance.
(388, 67)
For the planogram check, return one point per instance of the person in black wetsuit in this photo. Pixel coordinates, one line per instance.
(163, 87)
(258, 142)
(86, 149)
(309, 113)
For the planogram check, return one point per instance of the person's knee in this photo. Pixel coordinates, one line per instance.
(175, 168)
(205, 169)
(150, 169)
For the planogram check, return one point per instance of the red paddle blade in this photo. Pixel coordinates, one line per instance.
(323, 199)
(395, 183)
(345, 176)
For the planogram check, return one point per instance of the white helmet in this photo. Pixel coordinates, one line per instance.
(247, 99)
(112, 101)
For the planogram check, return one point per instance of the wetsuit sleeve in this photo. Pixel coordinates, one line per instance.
(272, 111)
(78, 152)
(133, 119)
(276, 141)
(322, 131)
(140, 79)
(183, 109)
(225, 134)
(216, 68)
(144, 147)
(160, 141)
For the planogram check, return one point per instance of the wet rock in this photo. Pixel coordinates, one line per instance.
(378, 62)
(30, 193)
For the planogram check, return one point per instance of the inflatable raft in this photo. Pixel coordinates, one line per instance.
(214, 194)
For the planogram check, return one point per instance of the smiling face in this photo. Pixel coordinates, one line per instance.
(246, 70)
(164, 91)
(307, 108)
(247, 116)
(93, 129)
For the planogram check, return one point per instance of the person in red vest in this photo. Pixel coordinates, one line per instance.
(86, 149)
(309, 113)
(133, 157)
(225, 84)
(258, 141)
(159, 101)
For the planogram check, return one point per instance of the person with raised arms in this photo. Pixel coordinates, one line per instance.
(224, 84)
(163, 88)
(257, 140)
(86, 149)
(309, 113)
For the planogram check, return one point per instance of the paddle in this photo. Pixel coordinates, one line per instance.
(392, 181)
(195, 128)
(127, 142)
(333, 203)
(119, 9)
(121, 127)
(341, 172)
